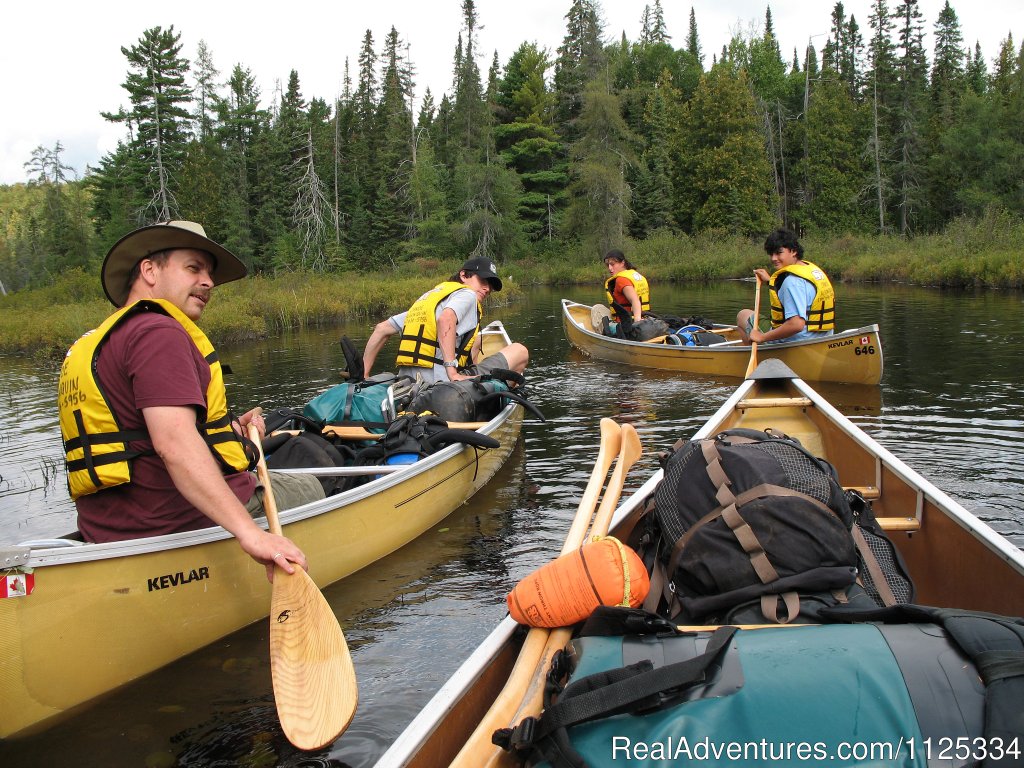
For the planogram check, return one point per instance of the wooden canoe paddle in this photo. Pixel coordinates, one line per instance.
(533, 696)
(753, 344)
(478, 749)
(314, 680)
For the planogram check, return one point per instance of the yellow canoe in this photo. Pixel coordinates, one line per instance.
(79, 620)
(955, 559)
(850, 357)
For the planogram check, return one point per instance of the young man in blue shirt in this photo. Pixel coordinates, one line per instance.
(800, 294)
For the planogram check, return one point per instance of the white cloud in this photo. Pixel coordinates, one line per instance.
(61, 63)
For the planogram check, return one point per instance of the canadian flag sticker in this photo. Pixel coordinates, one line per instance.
(864, 341)
(17, 585)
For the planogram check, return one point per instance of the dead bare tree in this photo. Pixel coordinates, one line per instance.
(312, 213)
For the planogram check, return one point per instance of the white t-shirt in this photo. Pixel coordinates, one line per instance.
(463, 303)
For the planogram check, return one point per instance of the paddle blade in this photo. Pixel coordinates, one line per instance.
(314, 680)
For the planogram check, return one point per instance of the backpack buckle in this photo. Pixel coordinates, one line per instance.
(518, 739)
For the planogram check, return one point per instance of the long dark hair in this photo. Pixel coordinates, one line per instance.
(617, 255)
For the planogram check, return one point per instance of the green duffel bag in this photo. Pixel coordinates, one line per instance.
(842, 695)
(358, 403)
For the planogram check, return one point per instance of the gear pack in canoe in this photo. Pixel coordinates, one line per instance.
(396, 419)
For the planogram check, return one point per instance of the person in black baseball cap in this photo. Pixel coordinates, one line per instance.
(439, 335)
(482, 268)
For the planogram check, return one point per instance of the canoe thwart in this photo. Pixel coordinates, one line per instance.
(381, 469)
(360, 433)
(774, 402)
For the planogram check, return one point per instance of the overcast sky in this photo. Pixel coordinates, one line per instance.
(61, 62)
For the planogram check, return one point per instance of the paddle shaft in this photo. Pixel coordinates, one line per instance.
(753, 344)
(269, 504)
(533, 697)
(478, 748)
(314, 680)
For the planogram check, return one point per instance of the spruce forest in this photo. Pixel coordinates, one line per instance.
(599, 143)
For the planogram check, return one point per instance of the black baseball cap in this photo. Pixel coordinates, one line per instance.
(486, 269)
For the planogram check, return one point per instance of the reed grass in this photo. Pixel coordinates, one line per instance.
(985, 252)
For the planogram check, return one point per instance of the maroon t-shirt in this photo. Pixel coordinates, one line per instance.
(149, 360)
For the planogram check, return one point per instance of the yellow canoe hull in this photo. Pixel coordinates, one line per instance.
(849, 357)
(101, 615)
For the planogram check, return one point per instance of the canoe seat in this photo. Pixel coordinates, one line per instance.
(869, 492)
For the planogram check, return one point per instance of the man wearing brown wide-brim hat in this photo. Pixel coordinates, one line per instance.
(151, 447)
(142, 243)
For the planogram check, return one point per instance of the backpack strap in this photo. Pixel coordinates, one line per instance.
(629, 689)
(874, 569)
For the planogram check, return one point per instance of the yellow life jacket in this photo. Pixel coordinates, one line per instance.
(96, 447)
(822, 314)
(418, 343)
(640, 285)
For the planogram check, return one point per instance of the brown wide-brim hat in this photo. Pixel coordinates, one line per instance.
(137, 245)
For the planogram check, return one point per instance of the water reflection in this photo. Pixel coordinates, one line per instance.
(950, 406)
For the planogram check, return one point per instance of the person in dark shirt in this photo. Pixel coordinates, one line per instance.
(150, 445)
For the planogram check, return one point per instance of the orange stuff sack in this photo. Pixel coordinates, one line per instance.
(567, 590)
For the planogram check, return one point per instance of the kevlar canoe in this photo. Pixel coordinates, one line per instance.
(850, 357)
(954, 558)
(79, 620)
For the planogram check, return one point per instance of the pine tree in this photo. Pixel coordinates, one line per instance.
(158, 121)
(392, 216)
(580, 58)
(976, 71)
(911, 110)
(947, 91)
(431, 235)
(883, 95)
(724, 181)
(652, 190)
(205, 92)
(599, 207)
(240, 123)
(693, 40)
(469, 111)
(61, 227)
(527, 141)
(832, 168)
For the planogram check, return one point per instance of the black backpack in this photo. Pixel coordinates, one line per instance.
(751, 516)
(309, 449)
(420, 436)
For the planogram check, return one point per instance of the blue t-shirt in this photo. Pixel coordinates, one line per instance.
(797, 295)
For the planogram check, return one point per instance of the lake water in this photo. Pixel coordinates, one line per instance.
(950, 405)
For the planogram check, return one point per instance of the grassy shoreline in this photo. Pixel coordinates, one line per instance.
(983, 253)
